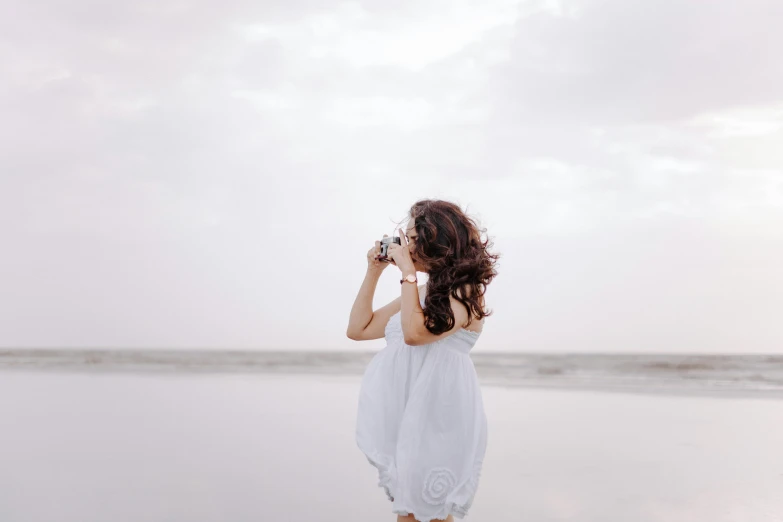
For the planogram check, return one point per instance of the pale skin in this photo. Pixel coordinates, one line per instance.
(366, 324)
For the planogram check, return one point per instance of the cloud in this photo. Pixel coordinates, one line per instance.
(206, 135)
(615, 61)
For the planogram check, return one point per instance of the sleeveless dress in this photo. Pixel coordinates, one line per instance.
(421, 423)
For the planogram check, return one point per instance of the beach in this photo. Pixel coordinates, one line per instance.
(81, 447)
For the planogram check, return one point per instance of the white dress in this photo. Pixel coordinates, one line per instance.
(421, 423)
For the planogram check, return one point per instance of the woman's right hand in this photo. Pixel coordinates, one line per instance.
(373, 263)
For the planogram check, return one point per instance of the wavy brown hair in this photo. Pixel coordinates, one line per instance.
(450, 246)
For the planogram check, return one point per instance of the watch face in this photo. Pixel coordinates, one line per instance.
(411, 278)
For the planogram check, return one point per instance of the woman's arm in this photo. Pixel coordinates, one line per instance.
(411, 313)
(361, 312)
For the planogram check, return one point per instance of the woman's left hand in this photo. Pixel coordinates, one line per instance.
(401, 255)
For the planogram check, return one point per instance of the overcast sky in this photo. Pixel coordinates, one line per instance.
(212, 173)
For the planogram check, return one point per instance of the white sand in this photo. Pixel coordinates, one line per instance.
(84, 448)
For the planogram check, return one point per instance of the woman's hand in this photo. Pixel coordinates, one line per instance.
(401, 255)
(373, 263)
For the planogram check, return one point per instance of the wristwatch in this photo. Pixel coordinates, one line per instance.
(411, 278)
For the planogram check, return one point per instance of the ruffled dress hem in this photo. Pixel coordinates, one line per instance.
(387, 481)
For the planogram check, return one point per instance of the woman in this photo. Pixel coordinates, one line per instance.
(421, 419)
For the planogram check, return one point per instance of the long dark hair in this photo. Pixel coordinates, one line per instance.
(450, 246)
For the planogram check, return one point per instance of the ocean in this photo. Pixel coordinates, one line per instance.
(757, 375)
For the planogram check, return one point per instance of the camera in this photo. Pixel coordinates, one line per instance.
(385, 247)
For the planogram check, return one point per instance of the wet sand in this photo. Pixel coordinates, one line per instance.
(135, 448)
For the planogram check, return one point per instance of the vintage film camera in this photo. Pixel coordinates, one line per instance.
(385, 242)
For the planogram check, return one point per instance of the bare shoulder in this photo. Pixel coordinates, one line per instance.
(475, 326)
